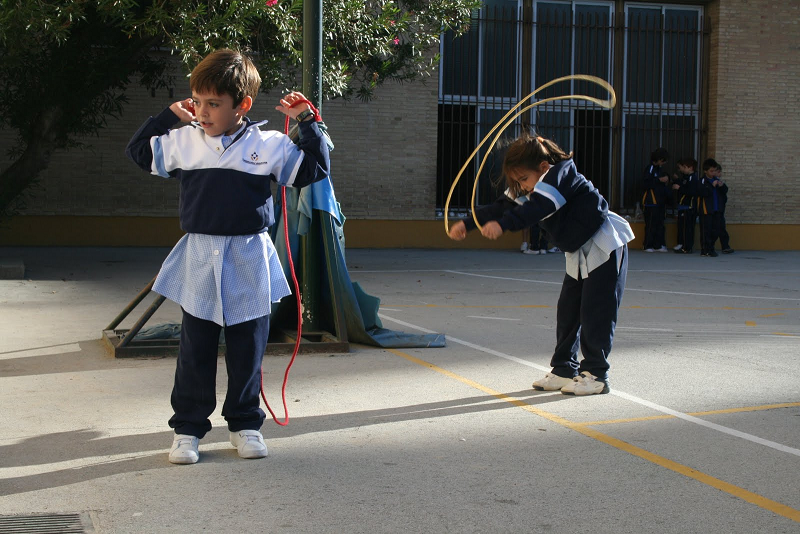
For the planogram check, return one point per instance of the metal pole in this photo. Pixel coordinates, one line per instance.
(312, 89)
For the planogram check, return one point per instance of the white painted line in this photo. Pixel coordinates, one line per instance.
(92, 461)
(621, 394)
(44, 351)
(493, 318)
(627, 289)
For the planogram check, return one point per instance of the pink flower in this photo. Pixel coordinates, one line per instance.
(396, 40)
(271, 3)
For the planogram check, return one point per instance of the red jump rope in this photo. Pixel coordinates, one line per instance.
(296, 289)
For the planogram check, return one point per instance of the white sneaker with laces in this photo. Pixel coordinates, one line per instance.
(249, 443)
(530, 251)
(551, 382)
(662, 249)
(523, 248)
(554, 249)
(677, 247)
(184, 449)
(585, 384)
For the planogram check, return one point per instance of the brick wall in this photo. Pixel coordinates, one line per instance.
(384, 164)
(754, 119)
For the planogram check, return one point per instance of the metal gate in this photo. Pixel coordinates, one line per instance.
(654, 56)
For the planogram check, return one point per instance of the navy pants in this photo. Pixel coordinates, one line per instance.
(654, 231)
(685, 228)
(194, 393)
(587, 317)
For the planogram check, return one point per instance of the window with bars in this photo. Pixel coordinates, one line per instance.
(652, 54)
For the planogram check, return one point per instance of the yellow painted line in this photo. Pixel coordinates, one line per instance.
(736, 491)
(783, 334)
(772, 315)
(749, 323)
(696, 414)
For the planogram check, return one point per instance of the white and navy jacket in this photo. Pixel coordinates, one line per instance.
(564, 203)
(227, 191)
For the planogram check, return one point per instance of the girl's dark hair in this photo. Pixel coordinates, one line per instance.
(529, 151)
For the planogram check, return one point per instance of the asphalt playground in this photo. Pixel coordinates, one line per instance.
(700, 433)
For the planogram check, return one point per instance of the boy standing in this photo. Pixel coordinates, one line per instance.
(712, 195)
(225, 272)
(654, 202)
(686, 185)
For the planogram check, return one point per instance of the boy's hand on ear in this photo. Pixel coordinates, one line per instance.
(184, 109)
(293, 105)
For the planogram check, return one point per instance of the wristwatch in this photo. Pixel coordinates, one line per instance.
(304, 115)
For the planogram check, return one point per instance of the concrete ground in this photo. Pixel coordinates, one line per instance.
(699, 434)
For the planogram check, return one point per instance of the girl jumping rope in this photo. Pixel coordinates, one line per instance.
(545, 187)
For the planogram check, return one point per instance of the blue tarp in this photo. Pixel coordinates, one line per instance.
(317, 205)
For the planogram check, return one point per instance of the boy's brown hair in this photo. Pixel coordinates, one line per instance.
(226, 71)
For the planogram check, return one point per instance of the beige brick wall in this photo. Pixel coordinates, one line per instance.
(754, 120)
(384, 164)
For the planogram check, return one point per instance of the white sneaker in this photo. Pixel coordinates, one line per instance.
(523, 248)
(554, 249)
(677, 247)
(551, 382)
(649, 250)
(542, 251)
(184, 449)
(662, 249)
(531, 251)
(249, 443)
(585, 384)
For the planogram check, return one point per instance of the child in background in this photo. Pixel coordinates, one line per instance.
(225, 272)
(654, 201)
(544, 187)
(712, 193)
(724, 238)
(686, 184)
(536, 240)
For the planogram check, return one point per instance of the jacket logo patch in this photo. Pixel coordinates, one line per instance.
(253, 160)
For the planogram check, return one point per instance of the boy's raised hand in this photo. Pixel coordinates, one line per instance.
(458, 231)
(184, 109)
(289, 105)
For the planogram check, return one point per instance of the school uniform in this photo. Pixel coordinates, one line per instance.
(576, 218)
(711, 209)
(225, 272)
(687, 212)
(654, 203)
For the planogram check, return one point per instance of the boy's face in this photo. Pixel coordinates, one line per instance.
(660, 163)
(216, 113)
(685, 169)
(713, 172)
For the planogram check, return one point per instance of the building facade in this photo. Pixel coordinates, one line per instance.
(704, 79)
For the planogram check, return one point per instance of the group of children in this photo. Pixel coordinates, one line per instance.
(225, 272)
(701, 197)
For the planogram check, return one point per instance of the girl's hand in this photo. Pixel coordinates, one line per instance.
(184, 109)
(491, 230)
(290, 100)
(458, 231)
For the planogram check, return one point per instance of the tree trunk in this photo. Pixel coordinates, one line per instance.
(36, 157)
